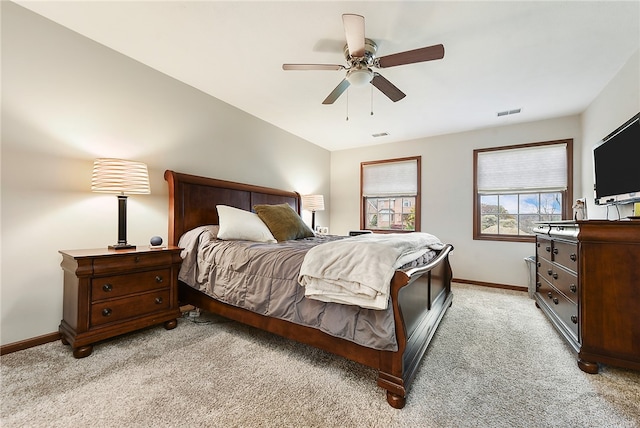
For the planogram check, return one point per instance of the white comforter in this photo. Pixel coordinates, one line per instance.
(358, 270)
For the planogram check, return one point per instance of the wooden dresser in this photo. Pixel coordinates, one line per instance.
(111, 292)
(588, 285)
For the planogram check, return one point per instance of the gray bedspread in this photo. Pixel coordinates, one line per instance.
(263, 278)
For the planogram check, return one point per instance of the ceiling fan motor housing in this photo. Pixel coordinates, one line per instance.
(359, 73)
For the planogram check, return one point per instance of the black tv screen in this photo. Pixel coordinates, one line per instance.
(616, 163)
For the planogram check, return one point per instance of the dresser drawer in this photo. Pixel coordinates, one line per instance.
(109, 287)
(130, 261)
(135, 306)
(566, 254)
(566, 282)
(565, 309)
(543, 249)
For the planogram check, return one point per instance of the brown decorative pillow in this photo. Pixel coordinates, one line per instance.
(283, 222)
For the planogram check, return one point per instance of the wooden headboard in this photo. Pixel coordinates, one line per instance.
(193, 200)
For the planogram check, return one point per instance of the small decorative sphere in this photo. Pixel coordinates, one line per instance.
(156, 240)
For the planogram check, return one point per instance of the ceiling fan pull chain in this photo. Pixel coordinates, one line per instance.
(347, 105)
(371, 100)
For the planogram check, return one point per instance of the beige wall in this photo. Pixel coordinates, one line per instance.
(67, 100)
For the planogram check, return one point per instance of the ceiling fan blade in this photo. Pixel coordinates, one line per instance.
(428, 53)
(312, 67)
(337, 92)
(387, 88)
(354, 30)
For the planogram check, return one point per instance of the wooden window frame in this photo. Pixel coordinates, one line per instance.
(567, 200)
(418, 215)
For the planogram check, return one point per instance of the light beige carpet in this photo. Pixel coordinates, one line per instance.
(495, 362)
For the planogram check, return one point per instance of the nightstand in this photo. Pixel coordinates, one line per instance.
(112, 292)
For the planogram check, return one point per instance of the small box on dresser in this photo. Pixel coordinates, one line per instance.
(112, 292)
(588, 285)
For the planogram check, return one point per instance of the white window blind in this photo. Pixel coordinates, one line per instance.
(390, 179)
(530, 169)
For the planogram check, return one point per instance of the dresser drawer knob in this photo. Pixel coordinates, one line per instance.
(555, 300)
(574, 319)
(573, 257)
(106, 312)
(538, 285)
(555, 276)
(538, 264)
(549, 294)
(555, 251)
(547, 249)
(137, 259)
(158, 279)
(107, 288)
(573, 288)
(158, 300)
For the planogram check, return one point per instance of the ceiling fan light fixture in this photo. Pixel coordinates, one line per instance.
(359, 76)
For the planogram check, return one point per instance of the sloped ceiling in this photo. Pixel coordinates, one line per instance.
(549, 59)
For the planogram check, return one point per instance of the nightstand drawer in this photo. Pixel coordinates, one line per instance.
(129, 307)
(109, 287)
(130, 261)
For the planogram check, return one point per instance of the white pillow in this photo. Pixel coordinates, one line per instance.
(242, 225)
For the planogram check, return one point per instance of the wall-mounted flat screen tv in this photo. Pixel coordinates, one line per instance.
(616, 165)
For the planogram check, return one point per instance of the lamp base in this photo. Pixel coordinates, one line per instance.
(122, 247)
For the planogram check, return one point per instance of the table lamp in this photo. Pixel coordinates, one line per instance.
(121, 177)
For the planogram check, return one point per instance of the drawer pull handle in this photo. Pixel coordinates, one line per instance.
(550, 272)
(106, 312)
(555, 251)
(555, 276)
(158, 300)
(573, 288)
(549, 294)
(574, 319)
(158, 279)
(538, 285)
(555, 300)
(107, 288)
(548, 249)
(137, 259)
(573, 257)
(538, 264)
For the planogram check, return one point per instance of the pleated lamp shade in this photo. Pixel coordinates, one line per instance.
(313, 202)
(120, 176)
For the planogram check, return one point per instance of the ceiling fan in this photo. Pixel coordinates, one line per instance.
(360, 54)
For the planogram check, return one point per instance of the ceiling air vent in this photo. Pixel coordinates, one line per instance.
(380, 134)
(508, 112)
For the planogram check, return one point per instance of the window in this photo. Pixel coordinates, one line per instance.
(390, 195)
(516, 186)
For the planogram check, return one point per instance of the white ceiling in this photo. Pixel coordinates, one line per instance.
(550, 59)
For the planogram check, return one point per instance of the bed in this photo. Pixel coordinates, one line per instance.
(419, 296)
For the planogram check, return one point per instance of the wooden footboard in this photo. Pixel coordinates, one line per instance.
(420, 296)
